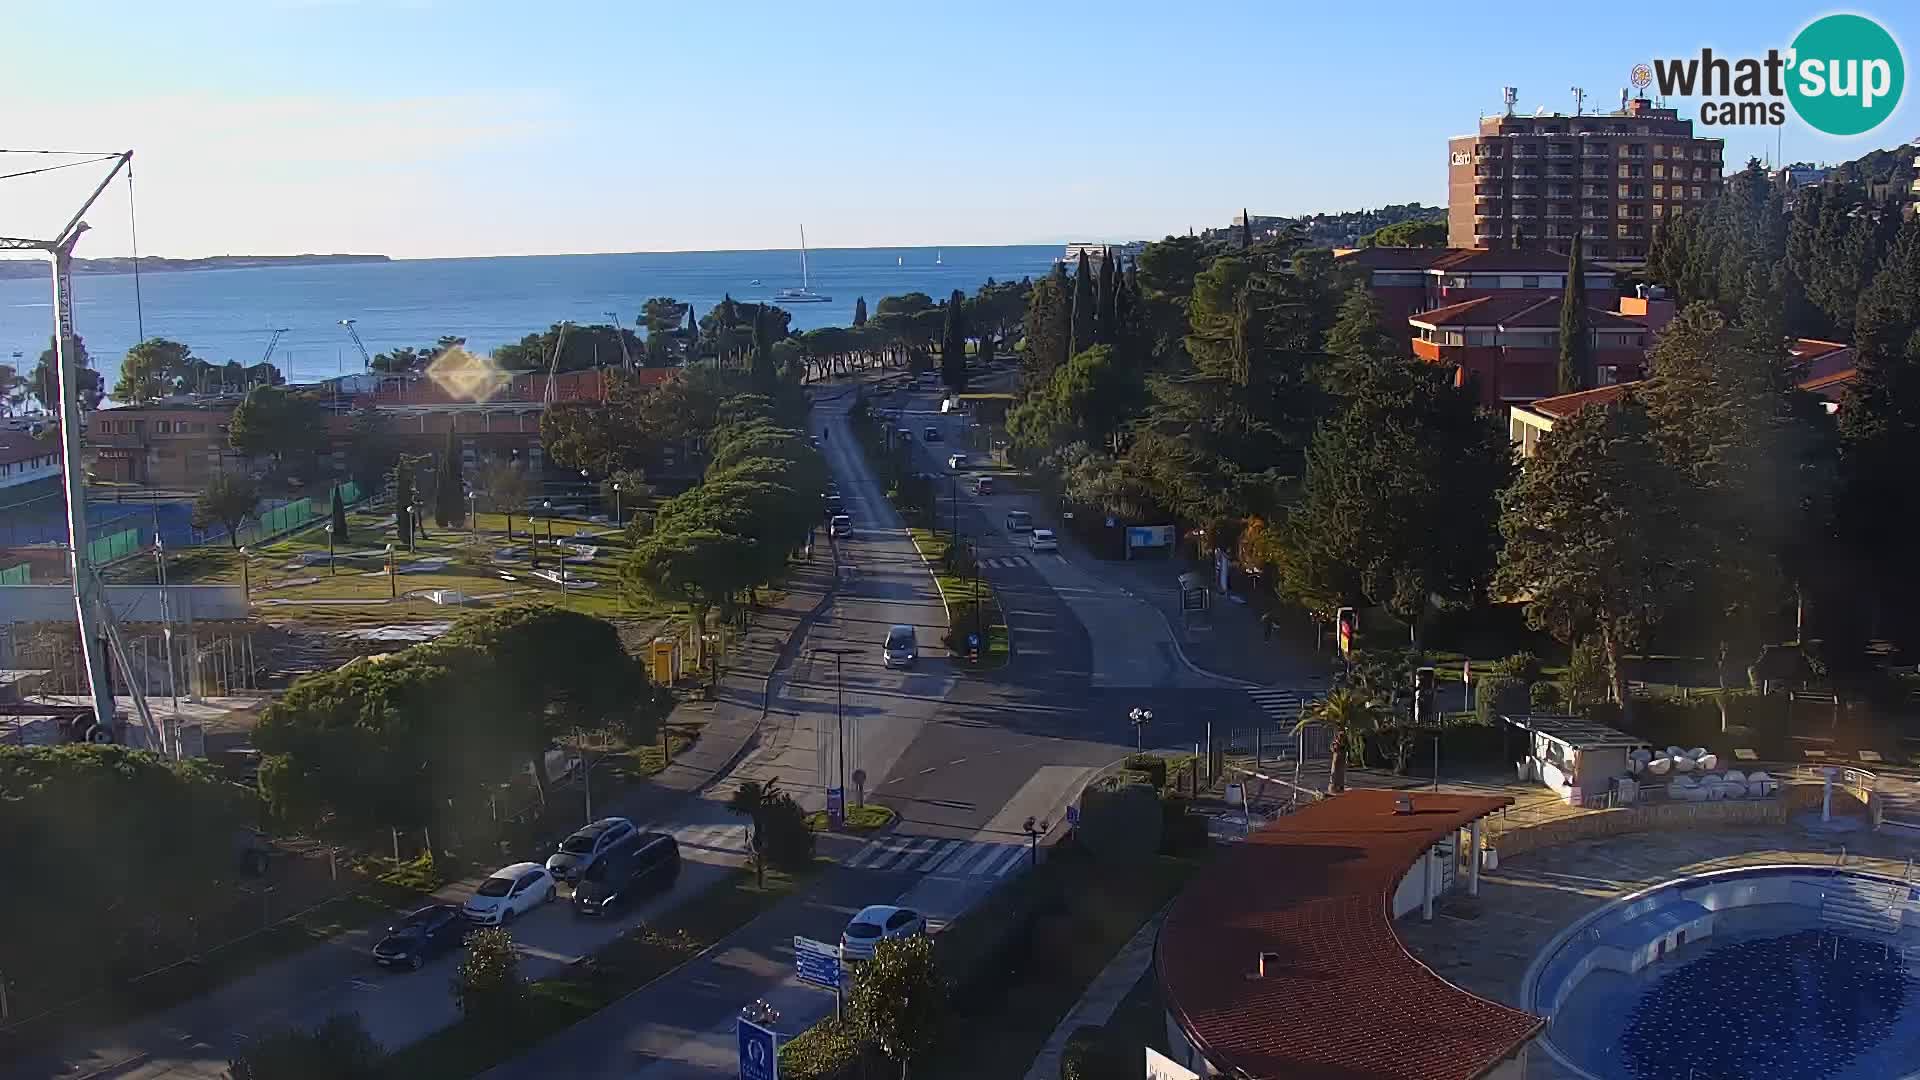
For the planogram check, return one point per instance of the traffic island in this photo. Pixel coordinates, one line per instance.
(976, 623)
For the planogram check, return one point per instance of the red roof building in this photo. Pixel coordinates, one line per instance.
(1281, 961)
(1408, 281)
(1826, 368)
(1511, 344)
(1527, 424)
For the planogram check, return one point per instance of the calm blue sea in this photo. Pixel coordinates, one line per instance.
(230, 314)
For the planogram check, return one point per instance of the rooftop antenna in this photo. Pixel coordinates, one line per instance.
(1579, 101)
(1509, 95)
(1623, 99)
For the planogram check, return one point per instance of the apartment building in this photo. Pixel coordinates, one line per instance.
(1408, 281)
(1510, 345)
(29, 463)
(1534, 181)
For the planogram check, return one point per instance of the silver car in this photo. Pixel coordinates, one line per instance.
(581, 850)
(902, 647)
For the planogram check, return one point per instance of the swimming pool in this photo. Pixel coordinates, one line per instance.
(1762, 972)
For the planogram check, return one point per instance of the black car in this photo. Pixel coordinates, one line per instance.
(642, 864)
(932, 435)
(420, 937)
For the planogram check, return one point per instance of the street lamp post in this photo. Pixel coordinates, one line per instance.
(330, 570)
(616, 503)
(1141, 718)
(561, 560)
(412, 526)
(840, 717)
(246, 577)
(1034, 831)
(533, 539)
(393, 590)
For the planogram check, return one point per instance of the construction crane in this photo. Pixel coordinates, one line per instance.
(365, 359)
(267, 357)
(553, 362)
(626, 361)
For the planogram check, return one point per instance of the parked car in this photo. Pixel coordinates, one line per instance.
(932, 434)
(875, 924)
(421, 936)
(1019, 521)
(906, 434)
(840, 526)
(509, 893)
(1042, 540)
(578, 852)
(956, 461)
(833, 505)
(642, 863)
(983, 485)
(902, 647)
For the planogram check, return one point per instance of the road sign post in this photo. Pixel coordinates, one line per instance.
(817, 963)
(759, 1052)
(837, 806)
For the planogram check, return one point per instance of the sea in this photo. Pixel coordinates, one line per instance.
(231, 314)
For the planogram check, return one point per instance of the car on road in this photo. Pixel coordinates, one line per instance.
(982, 485)
(645, 862)
(832, 507)
(956, 461)
(1043, 540)
(876, 924)
(581, 850)
(906, 434)
(932, 434)
(841, 526)
(1019, 521)
(509, 893)
(813, 441)
(902, 647)
(421, 936)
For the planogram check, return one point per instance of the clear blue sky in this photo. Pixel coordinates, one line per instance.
(469, 128)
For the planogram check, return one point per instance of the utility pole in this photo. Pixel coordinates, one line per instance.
(838, 774)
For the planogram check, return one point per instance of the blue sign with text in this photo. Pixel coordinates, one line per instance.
(759, 1055)
(817, 962)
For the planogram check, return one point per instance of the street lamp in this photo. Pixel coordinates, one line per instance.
(1141, 718)
(533, 538)
(330, 570)
(547, 505)
(616, 503)
(840, 716)
(246, 578)
(1034, 832)
(473, 515)
(413, 525)
(393, 590)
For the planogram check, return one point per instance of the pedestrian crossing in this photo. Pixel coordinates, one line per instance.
(726, 838)
(941, 856)
(1281, 704)
(1004, 562)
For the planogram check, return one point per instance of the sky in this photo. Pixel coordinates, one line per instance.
(438, 129)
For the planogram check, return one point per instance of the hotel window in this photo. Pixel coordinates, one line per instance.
(1659, 150)
(1696, 191)
(1659, 190)
(1622, 232)
(1659, 210)
(1659, 171)
(1607, 374)
(1623, 172)
(1623, 191)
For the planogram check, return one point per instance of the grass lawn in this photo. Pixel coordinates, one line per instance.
(643, 761)
(358, 591)
(958, 589)
(629, 962)
(868, 818)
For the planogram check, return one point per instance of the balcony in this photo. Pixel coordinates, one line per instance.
(1593, 174)
(1527, 174)
(1560, 153)
(1525, 215)
(1525, 195)
(1559, 212)
(1593, 193)
(1559, 193)
(1594, 152)
(1560, 171)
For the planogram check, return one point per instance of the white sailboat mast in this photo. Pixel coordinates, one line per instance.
(803, 256)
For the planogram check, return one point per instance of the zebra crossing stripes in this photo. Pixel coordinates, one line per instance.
(1005, 562)
(1281, 704)
(726, 838)
(940, 857)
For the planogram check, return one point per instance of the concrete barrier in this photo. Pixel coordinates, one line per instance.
(1661, 817)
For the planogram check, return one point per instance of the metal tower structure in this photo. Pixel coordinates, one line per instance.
(365, 359)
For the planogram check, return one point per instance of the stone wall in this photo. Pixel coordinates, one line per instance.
(1656, 817)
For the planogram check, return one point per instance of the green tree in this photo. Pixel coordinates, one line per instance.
(1084, 305)
(953, 344)
(1104, 330)
(341, 537)
(45, 382)
(152, 370)
(287, 425)
(662, 315)
(504, 489)
(1088, 400)
(912, 303)
(371, 448)
(1048, 326)
(1575, 362)
(487, 987)
(450, 489)
(860, 311)
(1356, 341)
(338, 1048)
(1349, 717)
(403, 500)
(1415, 234)
(898, 1003)
(1595, 539)
(591, 346)
(230, 498)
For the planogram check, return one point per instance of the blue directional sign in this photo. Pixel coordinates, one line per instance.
(759, 1053)
(836, 806)
(817, 963)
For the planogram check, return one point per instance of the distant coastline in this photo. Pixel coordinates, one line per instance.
(154, 264)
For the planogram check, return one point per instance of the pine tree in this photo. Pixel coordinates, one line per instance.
(763, 367)
(1103, 301)
(1356, 342)
(340, 537)
(1083, 309)
(1573, 325)
(450, 490)
(860, 311)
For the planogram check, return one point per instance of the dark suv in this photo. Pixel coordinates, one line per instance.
(642, 864)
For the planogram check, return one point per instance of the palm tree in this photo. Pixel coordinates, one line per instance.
(1351, 717)
(747, 801)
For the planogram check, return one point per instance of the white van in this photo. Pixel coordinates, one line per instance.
(902, 647)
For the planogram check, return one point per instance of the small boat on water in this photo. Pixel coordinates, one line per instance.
(755, 281)
(803, 294)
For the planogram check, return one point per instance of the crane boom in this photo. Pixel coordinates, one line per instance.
(365, 358)
(271, 343)
(553, 362)
(626, 360)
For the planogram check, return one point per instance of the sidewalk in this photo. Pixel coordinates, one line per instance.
(193, 1039)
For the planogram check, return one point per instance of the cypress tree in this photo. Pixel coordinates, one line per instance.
(953, 344)
(693, 336)
(1082, 336)
(402, 500)
(1103, 304)
(1573, 325)
(449, 492)
(763, 371)
(860, 311)
(1246, 230)
(340, 537)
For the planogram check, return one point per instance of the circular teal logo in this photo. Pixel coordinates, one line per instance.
(1847, 74)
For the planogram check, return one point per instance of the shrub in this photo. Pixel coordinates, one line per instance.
(1095, 1052)
(339, 1048)
(1180, 830)
(1121, 823)
(486, 986)
(1154, 766)
(1523, 666)
(786, 840)
(962, 618)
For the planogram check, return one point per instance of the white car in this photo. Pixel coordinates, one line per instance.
(1043, 540)
(1019, 521)
(508, 893)
(877, 923)
(841, 526)
(580, 851)
(956, 461)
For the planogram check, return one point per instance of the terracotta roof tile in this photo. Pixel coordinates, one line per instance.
(1345, 1000)
(1394, 258)
(1511, 309)
(1562, 406)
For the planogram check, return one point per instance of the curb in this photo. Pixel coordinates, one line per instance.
(116, 1068)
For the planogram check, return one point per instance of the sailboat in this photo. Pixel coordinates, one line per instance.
(803, 294)
(938, 256)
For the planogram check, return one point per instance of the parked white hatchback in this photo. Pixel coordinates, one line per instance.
(875, 924)
(508, 893)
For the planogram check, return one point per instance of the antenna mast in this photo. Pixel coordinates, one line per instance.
(1579, 101)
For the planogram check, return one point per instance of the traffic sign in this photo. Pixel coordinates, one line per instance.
(837, 806)
(759, 1052)
(817, 963)
(1073, 815)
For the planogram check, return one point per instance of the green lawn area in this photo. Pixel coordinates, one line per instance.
(868, 818)
(358, 591)
(958, 589)
(629, 962)
(642, 761)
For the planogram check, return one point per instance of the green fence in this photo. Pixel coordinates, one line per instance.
(17, 575)
(286, 516)
(117, 546)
